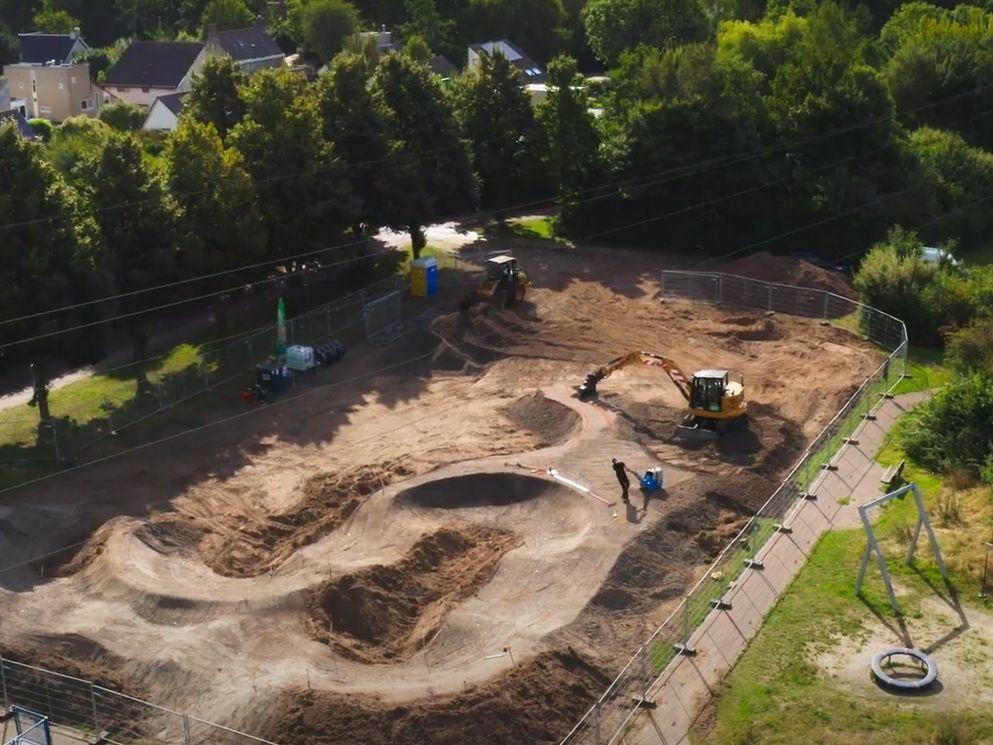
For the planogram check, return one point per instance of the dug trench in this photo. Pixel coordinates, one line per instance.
(387, 613)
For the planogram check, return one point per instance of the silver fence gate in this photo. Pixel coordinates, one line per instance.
(610, 716)
(119, 719)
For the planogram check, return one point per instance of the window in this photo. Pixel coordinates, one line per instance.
(86, 104)
(72, 80)
(144, 90)
(34, 86)
(62, 86)
(46, 109)
(20, 85)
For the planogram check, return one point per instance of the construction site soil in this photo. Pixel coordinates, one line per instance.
(386, 558)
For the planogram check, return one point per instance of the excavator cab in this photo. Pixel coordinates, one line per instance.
(707, 390)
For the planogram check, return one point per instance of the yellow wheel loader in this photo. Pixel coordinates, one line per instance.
(506, 284)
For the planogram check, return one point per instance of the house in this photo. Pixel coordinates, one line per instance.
(530, 71)
(50, 49)
(251, 48)
(442, 67)
(150, 69)
(382, 39)
(164, 114)
(53, 91)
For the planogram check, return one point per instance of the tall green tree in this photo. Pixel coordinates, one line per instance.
(214, 97)
(426, 22)
(53, 21)
(219, 222)
(51, 255)
(325, 24)
(18, 14)
(358, 128)
(496, 118)
(9, 47)
(100, 21)
(570, 137)
(136, 224)
(941, 69)
(612, 26)
(435, 159)
(226, 14)
(301, 187)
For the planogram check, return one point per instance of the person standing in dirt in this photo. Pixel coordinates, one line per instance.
(621, 471)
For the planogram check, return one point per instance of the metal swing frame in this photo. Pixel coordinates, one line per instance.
(872, 545)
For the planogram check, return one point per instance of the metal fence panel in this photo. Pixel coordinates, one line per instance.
(608, 719)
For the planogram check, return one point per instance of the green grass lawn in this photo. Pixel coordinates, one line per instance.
(926, 369)
(89, 399)
(776, 693)
(541, 228)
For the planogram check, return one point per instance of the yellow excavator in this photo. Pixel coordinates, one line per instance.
(715, 397)
(505, 284)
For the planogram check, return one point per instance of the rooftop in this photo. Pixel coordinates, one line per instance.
(154, 64)
(243, 44)
(41, 49)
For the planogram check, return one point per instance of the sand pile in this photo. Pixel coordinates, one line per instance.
(549, 421)
(247, 545)
(749, 328)
(386, 613)
(537, 702)
(788, 270)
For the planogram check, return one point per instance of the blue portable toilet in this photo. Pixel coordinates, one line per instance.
(424, 277)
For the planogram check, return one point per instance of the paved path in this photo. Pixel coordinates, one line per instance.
(691, 681)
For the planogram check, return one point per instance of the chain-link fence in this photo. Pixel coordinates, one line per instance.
(610, 716)
(81, 709)
(84, 417)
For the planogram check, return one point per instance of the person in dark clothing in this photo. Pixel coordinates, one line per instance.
(622, 478)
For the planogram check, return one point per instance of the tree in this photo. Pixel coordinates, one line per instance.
(50, 259)
(325, 24)
(135, 223)
(570, 138)
(142, 18)
(496, 117)
(358, 128)
(214, 97)
(613, 26)
(226, 14)
(9, 47)
(18, 14)
(123, 116)
(74, 145)
(98, 60)
(941, 67)
(300, 185)
(219, 222)
(54, 21)
(427, 23)
(417, 49)
(435, 160)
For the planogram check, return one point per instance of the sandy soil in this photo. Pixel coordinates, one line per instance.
(385, 561)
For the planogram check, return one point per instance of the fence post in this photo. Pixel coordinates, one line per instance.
(3, 682)
(826, 296)
(720, 287)
(598, 736)
(186, 729)
(327, 318)
(93, 703)
(770, 298)
(48, 696)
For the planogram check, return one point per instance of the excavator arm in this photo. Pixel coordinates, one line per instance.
(588, 389)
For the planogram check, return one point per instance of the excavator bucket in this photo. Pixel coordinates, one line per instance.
(698, 428)
(587, 390)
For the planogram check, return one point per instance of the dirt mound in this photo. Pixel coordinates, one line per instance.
(386, 613)
(248, 545)
(448, 358)
(551, 422)
(475, 490)
(537, 702)
(92, 549)
(788, 270)
(745, 329)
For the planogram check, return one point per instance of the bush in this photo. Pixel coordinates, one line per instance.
(894, 278)
(970, 349)
(41, 127)
(123, 116)
(955, 429)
